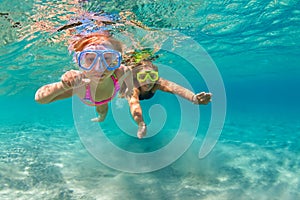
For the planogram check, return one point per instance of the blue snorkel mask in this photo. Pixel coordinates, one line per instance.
(96, 57)
(99, 60)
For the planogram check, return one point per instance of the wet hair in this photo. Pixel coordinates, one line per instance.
(134, 58)
(144, 65)
(79, 42)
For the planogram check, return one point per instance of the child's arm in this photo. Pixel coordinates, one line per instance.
(136, 112)
(52, 92)
(171, 87)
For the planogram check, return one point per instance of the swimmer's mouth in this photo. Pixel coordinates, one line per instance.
(98, 75)
(148, 87)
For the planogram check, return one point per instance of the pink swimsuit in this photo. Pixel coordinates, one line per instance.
(88, 100)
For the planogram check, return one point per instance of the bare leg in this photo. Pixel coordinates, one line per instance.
(137, 114)
(102, 111)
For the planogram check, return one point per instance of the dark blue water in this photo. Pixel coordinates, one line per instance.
(255, 47)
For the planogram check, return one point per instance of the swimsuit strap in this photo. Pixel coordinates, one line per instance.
(116, 83)
(88, 95)
(88, 100)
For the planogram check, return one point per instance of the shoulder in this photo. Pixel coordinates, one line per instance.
(161, 83)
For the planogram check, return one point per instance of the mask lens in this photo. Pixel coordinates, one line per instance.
(112, 60)
(153, 76)
(87, 60)
(141, 76)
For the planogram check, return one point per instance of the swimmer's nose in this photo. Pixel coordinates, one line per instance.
(99, 67)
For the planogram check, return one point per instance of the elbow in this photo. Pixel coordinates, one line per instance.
(39, 99)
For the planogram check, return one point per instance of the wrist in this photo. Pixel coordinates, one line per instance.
(194, 99)
(64, 86)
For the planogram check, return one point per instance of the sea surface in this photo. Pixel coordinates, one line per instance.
(250, 61)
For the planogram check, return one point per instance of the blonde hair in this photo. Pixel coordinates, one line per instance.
(144, 65)
(79, 42)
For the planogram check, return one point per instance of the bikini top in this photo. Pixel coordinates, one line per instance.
(88, 100)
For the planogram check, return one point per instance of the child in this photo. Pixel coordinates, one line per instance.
(146, 82)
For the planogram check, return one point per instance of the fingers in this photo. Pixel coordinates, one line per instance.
(203, 98)
(74, 78)
(85, 81)
(128, 93)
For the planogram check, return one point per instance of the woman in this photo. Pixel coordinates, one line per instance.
(146, 82)
(98, 56)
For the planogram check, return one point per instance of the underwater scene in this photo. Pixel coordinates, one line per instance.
(244, 144)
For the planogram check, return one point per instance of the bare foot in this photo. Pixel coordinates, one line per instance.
(98, 119)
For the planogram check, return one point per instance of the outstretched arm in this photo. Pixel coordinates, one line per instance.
(60, 90)
(136, 112)
(52, 92)
(171, 87)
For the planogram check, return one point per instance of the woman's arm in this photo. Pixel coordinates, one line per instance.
(171, 87)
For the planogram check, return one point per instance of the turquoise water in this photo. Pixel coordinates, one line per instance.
(255, 46)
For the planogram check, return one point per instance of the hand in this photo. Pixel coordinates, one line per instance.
(128, 93)
(142, 131)
(202, 98)
(127, 87)
(74, 78)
